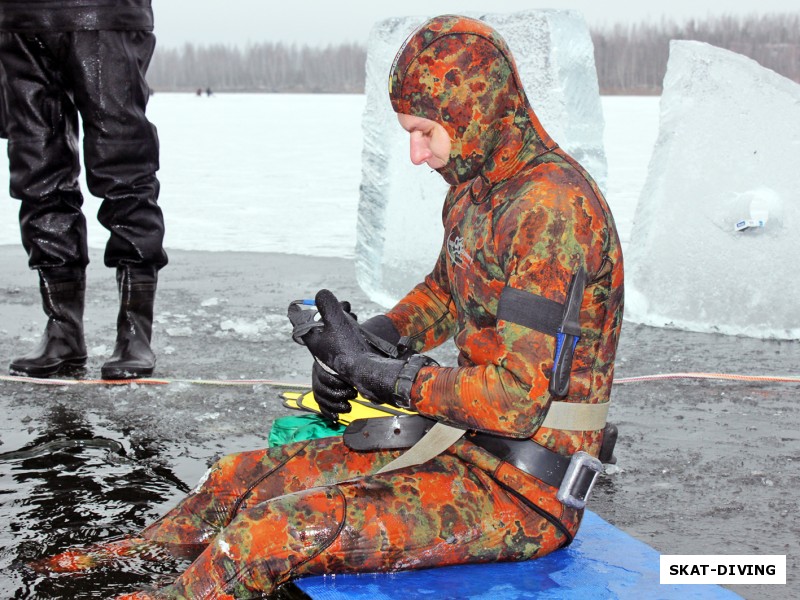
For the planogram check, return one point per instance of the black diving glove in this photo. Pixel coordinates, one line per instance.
(337, 343)
(333, 395)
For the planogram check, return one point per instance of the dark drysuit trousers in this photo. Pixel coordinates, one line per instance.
(48, 80)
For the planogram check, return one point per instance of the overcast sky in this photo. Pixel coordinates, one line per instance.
(319, 22)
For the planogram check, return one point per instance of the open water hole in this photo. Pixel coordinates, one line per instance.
(75, 483)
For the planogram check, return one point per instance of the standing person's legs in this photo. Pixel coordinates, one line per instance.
(107, 71)
(41, 123)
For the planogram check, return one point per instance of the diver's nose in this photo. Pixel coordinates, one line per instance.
(420, 149)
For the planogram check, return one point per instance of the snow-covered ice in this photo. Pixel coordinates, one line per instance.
(246, 172)
(716, 233)
(297, 165)
(314, 143)
(399, 220)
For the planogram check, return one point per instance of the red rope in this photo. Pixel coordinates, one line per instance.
(222, 382)
(724, 376)
(283, 384)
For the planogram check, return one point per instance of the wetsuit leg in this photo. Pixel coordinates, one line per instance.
(245, 479)
(235, 483)
(107, 72)
(42, 127)
(442, 513)
(312, 507)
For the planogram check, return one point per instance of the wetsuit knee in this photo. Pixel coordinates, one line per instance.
(267, 544)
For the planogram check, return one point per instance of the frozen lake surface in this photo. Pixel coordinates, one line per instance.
(280, 173)
(262, 173)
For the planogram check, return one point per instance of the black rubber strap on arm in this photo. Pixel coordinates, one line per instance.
(530, 310)
(405, 380)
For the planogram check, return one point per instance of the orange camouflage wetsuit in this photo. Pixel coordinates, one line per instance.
(520, 214)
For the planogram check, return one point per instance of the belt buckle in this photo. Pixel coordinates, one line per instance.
(579, 480)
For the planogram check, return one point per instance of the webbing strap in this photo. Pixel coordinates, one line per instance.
(570, 416)
(437, 440)
(530, 310)
(574, 416)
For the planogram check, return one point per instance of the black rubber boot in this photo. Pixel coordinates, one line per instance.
(62, 349)
(133, 357)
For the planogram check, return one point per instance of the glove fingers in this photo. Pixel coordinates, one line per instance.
(334, 386)
(330, 416)
(348, 309)
(333, 407)
(329, 307)
(330, 392)
(318, 373)
(338, 399)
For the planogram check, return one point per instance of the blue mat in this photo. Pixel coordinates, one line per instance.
(603, 563)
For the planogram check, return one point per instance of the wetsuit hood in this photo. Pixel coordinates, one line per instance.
(460, 73)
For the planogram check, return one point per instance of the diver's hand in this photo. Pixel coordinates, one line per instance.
(339, 345)
(331, 393)
(335, 339)
(305, 319)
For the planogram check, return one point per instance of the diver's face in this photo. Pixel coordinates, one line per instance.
(429, 141)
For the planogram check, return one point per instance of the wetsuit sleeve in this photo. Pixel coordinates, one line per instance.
(426, 314)
(505, 390)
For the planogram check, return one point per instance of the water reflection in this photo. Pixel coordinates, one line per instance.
(71, 487)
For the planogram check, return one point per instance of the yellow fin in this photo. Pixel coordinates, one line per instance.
(361, 407)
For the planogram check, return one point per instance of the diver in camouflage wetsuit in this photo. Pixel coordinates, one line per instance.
(521, 218)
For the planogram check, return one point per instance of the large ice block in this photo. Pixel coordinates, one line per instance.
(399, 231)
(716, 236)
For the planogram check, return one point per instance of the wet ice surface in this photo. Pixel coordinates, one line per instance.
(58, 494)
(704, 467)
(707, 467)
(162, 438)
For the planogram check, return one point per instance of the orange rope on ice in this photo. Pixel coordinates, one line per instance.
(283, 384)
(220, 382)
(724, 376)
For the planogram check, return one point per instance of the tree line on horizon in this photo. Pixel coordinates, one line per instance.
(265, 67)
(630, 59)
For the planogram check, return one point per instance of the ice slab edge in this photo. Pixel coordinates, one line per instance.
(715, 239)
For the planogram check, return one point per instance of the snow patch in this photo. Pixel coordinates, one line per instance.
(202, 481)
(207, 417)
(272, 326)
(179, 331)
